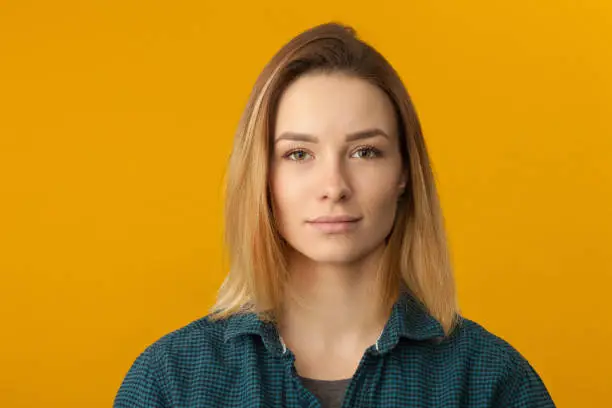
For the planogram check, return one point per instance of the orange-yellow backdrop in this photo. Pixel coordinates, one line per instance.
(116, 121)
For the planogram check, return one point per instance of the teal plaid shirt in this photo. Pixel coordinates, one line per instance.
(241, 362)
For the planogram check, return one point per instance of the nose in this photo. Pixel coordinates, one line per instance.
(334, 181)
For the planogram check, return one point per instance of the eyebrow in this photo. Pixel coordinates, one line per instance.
(304, 137)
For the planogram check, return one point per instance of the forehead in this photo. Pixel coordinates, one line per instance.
(325, 104)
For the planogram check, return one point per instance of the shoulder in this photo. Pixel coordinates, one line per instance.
(153, 376)
(199, 336)
(480, 343)
(492, 359)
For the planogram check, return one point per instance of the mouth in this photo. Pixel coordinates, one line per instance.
(335, 226)
(335, 218)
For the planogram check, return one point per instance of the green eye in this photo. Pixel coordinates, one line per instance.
(370, 152)
(296, 155)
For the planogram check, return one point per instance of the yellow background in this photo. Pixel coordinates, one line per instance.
(116, 121)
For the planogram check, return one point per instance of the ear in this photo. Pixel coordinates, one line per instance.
(403, 181)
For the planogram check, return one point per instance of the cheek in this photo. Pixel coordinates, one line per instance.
(286, 195)
(380, 203)
(380, 190)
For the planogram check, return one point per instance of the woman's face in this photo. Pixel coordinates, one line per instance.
(335, 153)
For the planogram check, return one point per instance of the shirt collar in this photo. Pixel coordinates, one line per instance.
(408, 319)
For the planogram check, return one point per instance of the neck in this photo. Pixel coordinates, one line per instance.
(333, 305)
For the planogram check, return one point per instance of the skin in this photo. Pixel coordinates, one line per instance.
(331, 314)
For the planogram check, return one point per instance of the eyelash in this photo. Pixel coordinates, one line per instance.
(370, 148)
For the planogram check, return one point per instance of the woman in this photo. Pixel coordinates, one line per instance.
(340, 291)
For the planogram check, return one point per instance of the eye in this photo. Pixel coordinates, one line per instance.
(370, 152)
(296, 155)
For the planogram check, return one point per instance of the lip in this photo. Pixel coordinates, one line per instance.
(334, 218)
(331, 224)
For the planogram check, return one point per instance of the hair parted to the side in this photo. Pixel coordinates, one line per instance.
(416, 255)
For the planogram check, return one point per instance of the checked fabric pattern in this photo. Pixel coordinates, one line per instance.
(240, 362)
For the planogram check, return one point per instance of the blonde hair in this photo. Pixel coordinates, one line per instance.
(416, 255)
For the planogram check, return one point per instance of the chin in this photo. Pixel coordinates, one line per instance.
(333, 259)
(333, 254)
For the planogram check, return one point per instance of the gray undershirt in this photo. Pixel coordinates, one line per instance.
(329, 393)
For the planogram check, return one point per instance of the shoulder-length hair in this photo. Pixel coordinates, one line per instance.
(416, 256)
